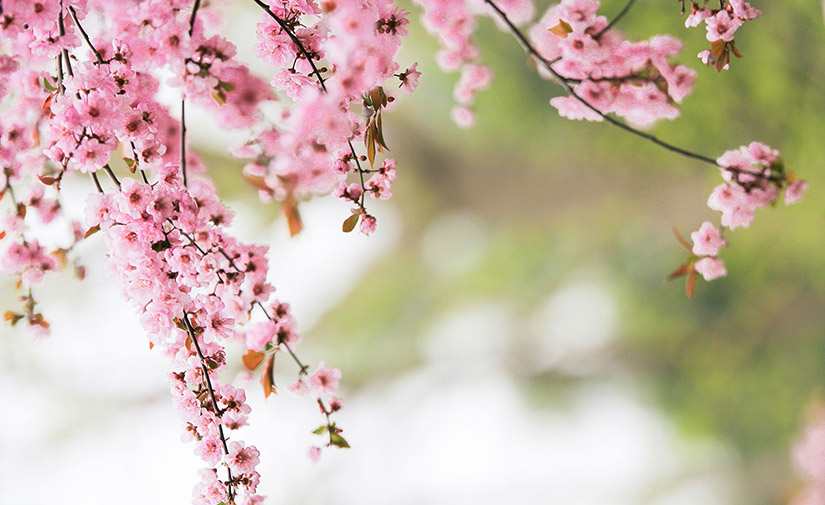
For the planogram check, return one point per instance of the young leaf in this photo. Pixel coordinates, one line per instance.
(267, 378)
(12, 317)
(370, 141)
(350, 222)
(562, 29)
(91, 231)
(219, 96)
(338, 441)
(293, 217)
(252, 359)
(691, 281)
(320, 429)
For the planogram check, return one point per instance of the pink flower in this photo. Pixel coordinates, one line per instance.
(324, 380)
(298, 388)
(409, 79)
(209, 449)
(707, 240)
(314, 454)
(242, 460)
(794, 191)
(368, 224)
(710, 268)
(722, 26)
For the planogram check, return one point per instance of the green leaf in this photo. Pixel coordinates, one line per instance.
(228, 86)
(47, 86)
(338, 441)
(319, 430)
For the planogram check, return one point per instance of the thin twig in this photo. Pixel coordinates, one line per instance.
(183, 140)
(192, 16)
(191, 331)
(616, 19)
(564, 83)
(85, 35)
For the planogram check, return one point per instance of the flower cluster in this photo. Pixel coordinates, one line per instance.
(754, 176)
(80, 100)
(721, 25)
(634, 80)
(326, 61)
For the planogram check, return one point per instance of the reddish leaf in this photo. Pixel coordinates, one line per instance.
(12, 317)
(691, 282)
(252, 359)
(293, 217)
(91, 231)
(680, 271)
(267, 379)
(47, 179)
(717, 47)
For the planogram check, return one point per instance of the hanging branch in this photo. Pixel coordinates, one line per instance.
(303, 51)
(565, 83)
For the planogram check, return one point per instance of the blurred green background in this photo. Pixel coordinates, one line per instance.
(743, 359)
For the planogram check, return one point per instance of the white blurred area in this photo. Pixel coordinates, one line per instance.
(88, 420)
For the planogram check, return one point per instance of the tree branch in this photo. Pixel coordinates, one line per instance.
(565, 84)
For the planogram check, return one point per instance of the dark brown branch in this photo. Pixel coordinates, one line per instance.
(191, 331)
(192, 16)
(85, 35)
(616, 19)
(183, 141)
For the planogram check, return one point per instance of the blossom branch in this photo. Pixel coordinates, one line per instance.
(565, 83)
(191, 331)
(303, 50)
(99, 58)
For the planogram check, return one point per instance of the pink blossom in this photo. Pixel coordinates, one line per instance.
(722, 26)
(710, 268)
(242, 460)
(794, 191)
(324, 380)
(707, 240)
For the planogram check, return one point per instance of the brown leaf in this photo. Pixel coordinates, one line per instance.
(370, 140)
(691, 282)
(717, 47)
(562, 29)
(47, 179)
(293, 217)
(91, 231)
(267, 379)
(252, 359)
(350, 222)
(12, 317)
(722, 60)
(680, 271)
